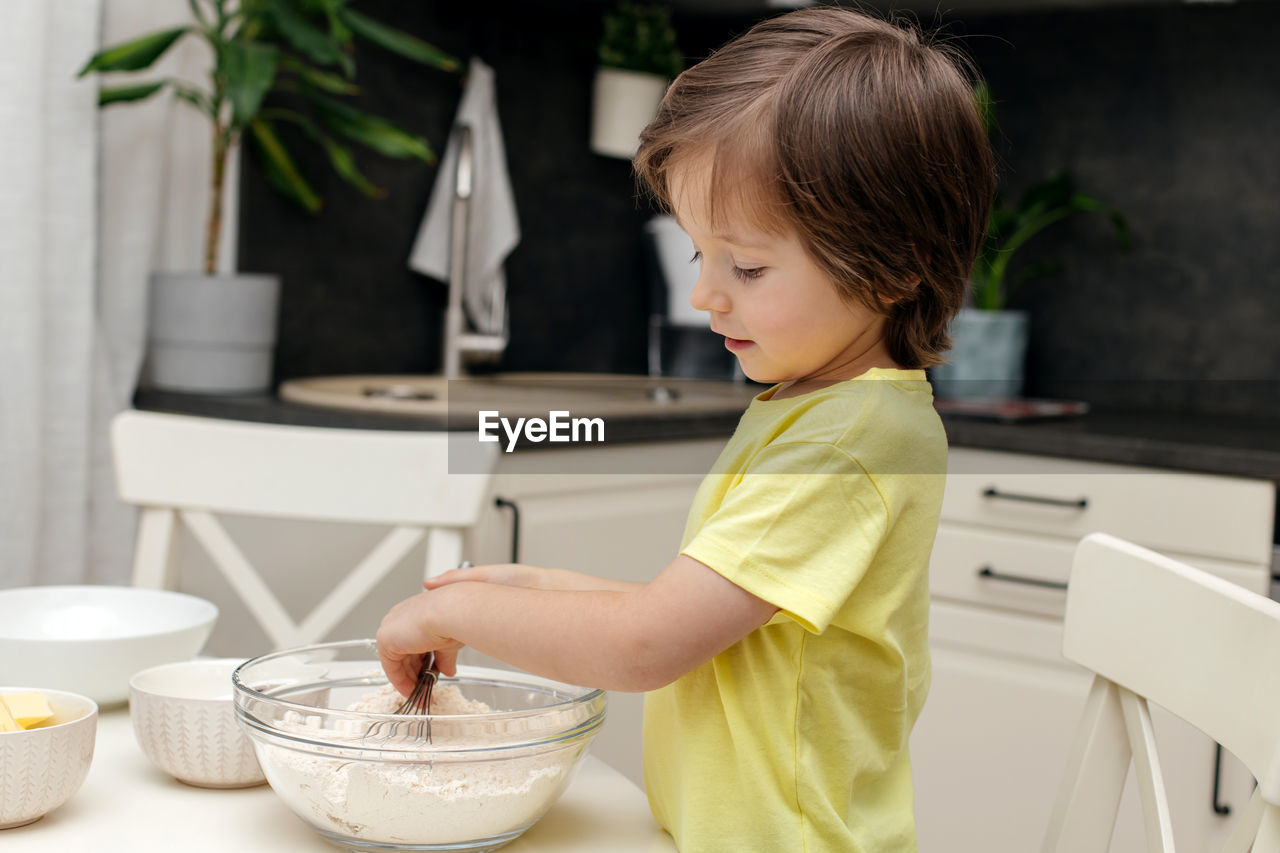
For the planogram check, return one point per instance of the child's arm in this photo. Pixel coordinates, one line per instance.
(633, 639)
(518, 574)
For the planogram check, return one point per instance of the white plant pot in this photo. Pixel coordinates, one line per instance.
(987, 355)
(623, 103)
(212, 334)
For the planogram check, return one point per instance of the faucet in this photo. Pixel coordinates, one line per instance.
(459, 344)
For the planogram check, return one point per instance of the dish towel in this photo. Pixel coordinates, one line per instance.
(493, 229)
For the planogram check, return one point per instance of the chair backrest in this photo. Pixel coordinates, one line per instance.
(183, 470)
(1208, 651)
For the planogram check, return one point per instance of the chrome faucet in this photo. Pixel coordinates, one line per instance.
(459, 344)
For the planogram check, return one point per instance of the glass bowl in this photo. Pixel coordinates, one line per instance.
(376, 782)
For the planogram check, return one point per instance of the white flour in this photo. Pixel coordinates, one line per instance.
(435, 802)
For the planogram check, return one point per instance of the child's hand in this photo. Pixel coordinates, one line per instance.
(510, 574)
(407, 633)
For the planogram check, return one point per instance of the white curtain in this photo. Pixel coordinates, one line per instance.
(90, 204)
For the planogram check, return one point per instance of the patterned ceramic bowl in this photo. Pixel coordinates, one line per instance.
(185, 721)
(42, 767)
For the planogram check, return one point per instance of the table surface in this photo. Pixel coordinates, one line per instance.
(128, 804)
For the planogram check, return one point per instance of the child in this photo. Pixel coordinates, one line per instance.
(835, 177)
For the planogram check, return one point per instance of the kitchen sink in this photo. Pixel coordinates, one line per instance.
(521, 394)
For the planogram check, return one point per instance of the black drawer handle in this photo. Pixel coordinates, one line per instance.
(993, 492)
(501, 502)
(988, 573)
(1219, 808)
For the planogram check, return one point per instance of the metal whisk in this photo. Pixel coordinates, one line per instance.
(418, 701)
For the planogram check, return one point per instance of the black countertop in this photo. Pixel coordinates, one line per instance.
(1233, 446)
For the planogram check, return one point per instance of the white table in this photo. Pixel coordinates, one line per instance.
(126, 804)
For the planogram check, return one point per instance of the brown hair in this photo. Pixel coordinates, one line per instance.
(859, 137)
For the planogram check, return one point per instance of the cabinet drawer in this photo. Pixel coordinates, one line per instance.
(1015, 571)
(1200, 514)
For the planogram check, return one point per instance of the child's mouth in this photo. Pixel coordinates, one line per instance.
(735, 344)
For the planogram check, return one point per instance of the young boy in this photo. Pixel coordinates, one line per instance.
(836, 179)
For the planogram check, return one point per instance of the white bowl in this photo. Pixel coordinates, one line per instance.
(92, 639)
(185, 721)
(41, 768)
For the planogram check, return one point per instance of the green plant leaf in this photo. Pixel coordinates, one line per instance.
(247, 70)
(396, 41)
(1119, 226)
(638, 37)
(332, 10)
(322, 80)
(377, 133)
(135, 55)
(311, 42)
(124, 94)
(1054, 191)
(194, 97)
(339, 155)
(280, 168)
(1035, 269)
(986, 106)
(345, 165)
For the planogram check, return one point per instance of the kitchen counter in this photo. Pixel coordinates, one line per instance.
(1240, 447)
(1233, 446)
(659, 425)
(127, 804)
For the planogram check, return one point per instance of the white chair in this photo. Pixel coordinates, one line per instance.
(1151, 628)
(183, 470)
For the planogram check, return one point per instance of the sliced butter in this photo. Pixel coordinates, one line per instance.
(28, 709)
(7, 722)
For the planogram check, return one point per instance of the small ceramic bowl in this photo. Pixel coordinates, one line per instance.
(41, 768)
(185, 721)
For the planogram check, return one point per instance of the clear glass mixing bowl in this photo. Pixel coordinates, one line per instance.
(373, 782)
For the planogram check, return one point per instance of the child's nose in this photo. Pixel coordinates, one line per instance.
(705, 296)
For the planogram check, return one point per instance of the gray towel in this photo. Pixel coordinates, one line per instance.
(493, 229)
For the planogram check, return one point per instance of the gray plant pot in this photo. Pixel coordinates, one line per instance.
(987, 356)
(212, 334)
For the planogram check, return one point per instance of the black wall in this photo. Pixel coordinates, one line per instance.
(1170, 113)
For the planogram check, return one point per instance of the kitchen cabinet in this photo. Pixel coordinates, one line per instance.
(605, 512)
(992, 742)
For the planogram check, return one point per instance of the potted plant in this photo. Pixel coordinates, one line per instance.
(638, 58)
(275, 63)
(989, 340)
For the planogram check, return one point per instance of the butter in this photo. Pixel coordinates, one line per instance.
(28, 709)
(7, 722)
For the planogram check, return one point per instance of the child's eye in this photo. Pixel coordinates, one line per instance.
(748, 274)
(697, 256)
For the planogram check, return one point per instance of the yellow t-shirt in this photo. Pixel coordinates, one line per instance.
(795, 738)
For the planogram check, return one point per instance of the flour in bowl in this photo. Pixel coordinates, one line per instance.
(416, 798)
(445, 699)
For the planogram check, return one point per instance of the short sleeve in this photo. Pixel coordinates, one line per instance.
(799, 529)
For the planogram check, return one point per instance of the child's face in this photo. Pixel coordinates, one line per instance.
(780, 313)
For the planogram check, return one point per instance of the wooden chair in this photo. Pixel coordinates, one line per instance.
(184, 470)
(1153, 629)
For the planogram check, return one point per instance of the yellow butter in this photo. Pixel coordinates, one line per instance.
(7, 722)
(28, 709)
